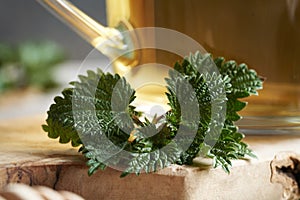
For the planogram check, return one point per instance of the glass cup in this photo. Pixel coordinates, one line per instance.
(263, 34)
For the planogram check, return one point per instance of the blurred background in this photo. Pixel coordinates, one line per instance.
(39, 55)
(27, 20)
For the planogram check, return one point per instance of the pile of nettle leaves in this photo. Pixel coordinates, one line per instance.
(122, 130)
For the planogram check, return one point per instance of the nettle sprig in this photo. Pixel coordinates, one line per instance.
(97, 115)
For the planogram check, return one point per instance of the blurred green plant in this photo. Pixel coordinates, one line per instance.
(30, 63)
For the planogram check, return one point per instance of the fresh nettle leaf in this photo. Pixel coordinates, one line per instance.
(244, 82)
(96, 114)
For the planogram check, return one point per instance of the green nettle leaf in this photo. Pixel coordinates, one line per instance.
(244, 81)
(96, 114)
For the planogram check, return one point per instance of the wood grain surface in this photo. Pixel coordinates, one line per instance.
(28, 156)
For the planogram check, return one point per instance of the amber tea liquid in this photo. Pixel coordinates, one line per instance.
(263, 34)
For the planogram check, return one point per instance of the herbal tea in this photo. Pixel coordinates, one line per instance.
(264, 35)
